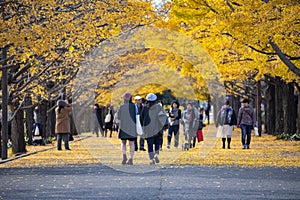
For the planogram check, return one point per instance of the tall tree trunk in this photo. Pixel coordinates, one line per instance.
(4, 88)
(17, 133)
(289, 114)
(50, 126)
(29, 119)
(270, 109)
(235, 103)
(279, 91)
(42, 116)
(258, 107)
(217, 104)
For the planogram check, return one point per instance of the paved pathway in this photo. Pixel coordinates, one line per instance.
(156, 182)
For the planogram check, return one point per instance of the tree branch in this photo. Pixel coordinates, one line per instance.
(284, 59)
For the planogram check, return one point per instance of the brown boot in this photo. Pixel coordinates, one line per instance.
(130, 161)
(124, 159)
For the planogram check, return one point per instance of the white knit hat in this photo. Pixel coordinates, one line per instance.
(151, 97)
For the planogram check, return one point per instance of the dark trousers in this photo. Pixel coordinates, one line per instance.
(173, 129)
(97, 128)
(153, 142)
(65, 138)
(142, 144)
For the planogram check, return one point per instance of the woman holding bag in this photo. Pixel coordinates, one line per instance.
(226, 119)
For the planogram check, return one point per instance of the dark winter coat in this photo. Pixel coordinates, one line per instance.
(152, 120)
(98, 112)
(109, 125)
(126, 117)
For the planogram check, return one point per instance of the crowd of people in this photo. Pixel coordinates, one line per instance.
(152, 120)
(140, 121)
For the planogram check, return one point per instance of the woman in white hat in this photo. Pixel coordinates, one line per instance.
(153, 118)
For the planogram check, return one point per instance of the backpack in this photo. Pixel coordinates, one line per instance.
(226, 115)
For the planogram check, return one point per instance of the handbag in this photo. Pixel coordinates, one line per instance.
(200, 135)
(256, 131)
(107, 118)
(139, 129)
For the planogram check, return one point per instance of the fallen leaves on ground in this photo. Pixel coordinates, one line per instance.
(265, 151)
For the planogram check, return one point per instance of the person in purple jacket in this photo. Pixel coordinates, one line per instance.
(246, 121)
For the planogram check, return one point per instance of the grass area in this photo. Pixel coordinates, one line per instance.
(265, 151)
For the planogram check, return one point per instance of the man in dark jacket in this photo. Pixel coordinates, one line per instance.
(98, 120)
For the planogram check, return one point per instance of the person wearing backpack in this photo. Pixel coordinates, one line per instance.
(246, 121)
(226, 119)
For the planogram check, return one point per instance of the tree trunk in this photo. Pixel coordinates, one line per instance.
(29, 119)
(279, 91)
(217, 104)
(4, 88)
(270, 109)
(42, 116)
(17, 133)
(289, 105)
(50, 131)
(258, 107)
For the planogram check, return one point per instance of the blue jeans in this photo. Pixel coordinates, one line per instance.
(246, 134)
(153, 141)
(173, 129)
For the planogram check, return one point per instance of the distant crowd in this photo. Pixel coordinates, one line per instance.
(138, 120)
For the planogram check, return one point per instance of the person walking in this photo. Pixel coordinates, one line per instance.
(126, 118)
(207, 110)
(98, 122)
(246, 121)
(174, 117)
(226, 119)
(62, 126)
(153, 118)
(190, 120)
(138, 108)
(109, 118)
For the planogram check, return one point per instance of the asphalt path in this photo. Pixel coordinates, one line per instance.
(149, 182)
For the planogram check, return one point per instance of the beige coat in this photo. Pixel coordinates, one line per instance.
(63, 120)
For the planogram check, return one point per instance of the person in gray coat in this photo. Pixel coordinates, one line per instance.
(153, 119)
(126, 118)
(246, 121)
